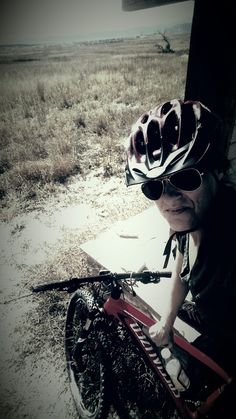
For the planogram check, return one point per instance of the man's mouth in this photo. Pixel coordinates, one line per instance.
(178, 210)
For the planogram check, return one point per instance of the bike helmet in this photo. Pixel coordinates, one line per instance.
(169, 138)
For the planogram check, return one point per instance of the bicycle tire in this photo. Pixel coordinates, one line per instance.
(86, 368)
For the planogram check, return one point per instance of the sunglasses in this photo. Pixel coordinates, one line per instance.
(187, 180)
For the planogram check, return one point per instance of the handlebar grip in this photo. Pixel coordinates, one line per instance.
(165, 274)
(44, 287)
(148, 277)
(57, 285)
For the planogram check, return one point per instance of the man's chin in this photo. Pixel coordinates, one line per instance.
(181, 228)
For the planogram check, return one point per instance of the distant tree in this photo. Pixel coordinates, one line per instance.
(166, 49)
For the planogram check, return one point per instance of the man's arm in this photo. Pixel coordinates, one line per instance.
(161, 332)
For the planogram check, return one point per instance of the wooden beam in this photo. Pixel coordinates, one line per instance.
(131, 5)
(211, 74)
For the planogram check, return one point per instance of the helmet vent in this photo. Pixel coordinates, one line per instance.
(188, 125)
(137, 171)
(154, 140)
(166, 108)
(144, 118)
(170, 130)
(138, 143)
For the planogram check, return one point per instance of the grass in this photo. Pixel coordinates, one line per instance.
(65, 109)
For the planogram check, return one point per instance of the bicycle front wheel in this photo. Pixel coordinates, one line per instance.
(86, 369)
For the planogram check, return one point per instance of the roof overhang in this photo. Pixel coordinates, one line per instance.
(132, 5)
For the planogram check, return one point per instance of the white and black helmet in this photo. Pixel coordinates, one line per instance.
(171, 137)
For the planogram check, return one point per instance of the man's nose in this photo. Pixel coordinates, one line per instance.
(169, 189)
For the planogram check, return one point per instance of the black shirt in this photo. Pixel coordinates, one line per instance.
(212, 280)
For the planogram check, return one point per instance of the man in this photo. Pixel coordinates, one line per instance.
(173, 151)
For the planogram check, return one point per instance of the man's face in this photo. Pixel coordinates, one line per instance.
(186, 210)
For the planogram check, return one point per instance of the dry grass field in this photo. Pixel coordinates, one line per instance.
(65, 109)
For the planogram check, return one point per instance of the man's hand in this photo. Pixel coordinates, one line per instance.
(161, 334)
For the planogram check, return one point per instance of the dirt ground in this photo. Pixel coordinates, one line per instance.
(44, 244)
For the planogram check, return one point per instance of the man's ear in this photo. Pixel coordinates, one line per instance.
(218, 174)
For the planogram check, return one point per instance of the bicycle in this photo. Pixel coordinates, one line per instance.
(102, 324)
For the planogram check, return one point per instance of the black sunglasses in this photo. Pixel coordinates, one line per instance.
(187, 180)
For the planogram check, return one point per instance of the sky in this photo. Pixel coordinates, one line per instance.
(40, 21)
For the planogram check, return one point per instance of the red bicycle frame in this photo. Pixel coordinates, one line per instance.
(133, 318)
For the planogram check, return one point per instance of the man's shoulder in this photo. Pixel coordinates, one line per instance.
(226, 222)
(227, 203)
(227, 192)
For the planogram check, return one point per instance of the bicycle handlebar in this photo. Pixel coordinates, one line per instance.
(146, 277)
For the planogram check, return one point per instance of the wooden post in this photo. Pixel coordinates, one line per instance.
(211, 74)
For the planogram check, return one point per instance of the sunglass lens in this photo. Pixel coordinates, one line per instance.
(152, 189)
(187, 180)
